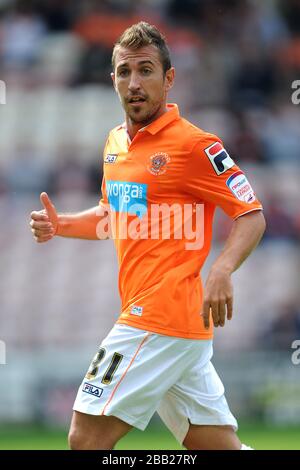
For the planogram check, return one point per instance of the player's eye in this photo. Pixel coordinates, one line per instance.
(146, 71)
(123, 73)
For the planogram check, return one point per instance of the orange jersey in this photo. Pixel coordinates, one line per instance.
(169, 163)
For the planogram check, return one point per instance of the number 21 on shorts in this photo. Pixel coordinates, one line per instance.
(111, 369)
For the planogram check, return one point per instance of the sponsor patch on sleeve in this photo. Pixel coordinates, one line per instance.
(219, 158)
(240, 187)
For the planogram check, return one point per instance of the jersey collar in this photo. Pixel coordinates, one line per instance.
(169, 116)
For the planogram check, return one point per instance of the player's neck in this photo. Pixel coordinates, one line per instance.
(133, 127)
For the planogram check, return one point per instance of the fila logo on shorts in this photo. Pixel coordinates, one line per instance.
(92, 389)
(219, 158)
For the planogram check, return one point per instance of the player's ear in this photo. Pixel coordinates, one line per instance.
(113, 77)
(169, 79)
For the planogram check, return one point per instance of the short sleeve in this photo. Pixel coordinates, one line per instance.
(211, 175)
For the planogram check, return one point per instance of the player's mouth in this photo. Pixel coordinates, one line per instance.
(136, 100)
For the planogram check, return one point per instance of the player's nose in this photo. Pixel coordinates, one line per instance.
(134, 83)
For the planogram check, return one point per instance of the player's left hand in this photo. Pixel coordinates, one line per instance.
(218, 298)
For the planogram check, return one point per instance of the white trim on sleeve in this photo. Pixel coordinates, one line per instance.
(247, 212)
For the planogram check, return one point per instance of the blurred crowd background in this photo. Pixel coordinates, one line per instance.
(235, 64)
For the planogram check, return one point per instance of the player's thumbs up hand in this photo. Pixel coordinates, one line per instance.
(49, 209)
(44, 223)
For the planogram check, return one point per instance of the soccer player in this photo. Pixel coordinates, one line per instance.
(159, 167)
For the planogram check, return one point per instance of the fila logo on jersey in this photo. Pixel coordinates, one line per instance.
(219, 158)
(127, 197)
(241, 187)
(111, 158)
(92, 390)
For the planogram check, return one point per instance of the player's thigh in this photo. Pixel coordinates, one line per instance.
(197, 399)
(203, 437)
(96, 432)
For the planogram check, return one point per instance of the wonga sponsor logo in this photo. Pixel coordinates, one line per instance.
(241, 187)
(127, 197)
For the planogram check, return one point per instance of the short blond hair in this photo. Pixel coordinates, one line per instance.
(140, 35)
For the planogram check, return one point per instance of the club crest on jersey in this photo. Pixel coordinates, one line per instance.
(241, 187)
(110, 158)
(158, 163)
(219, 158)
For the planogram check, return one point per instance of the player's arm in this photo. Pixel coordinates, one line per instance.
(212, 176)
(245, 235)
(47, 223)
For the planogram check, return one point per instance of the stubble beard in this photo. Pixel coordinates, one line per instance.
(145, 117)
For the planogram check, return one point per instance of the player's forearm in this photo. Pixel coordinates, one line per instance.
(245, 235)
(84, 225)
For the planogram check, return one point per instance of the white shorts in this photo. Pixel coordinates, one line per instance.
(136, 373)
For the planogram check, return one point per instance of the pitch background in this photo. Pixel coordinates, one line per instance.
(155, 437)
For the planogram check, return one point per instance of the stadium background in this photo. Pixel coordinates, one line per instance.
(235, 62)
